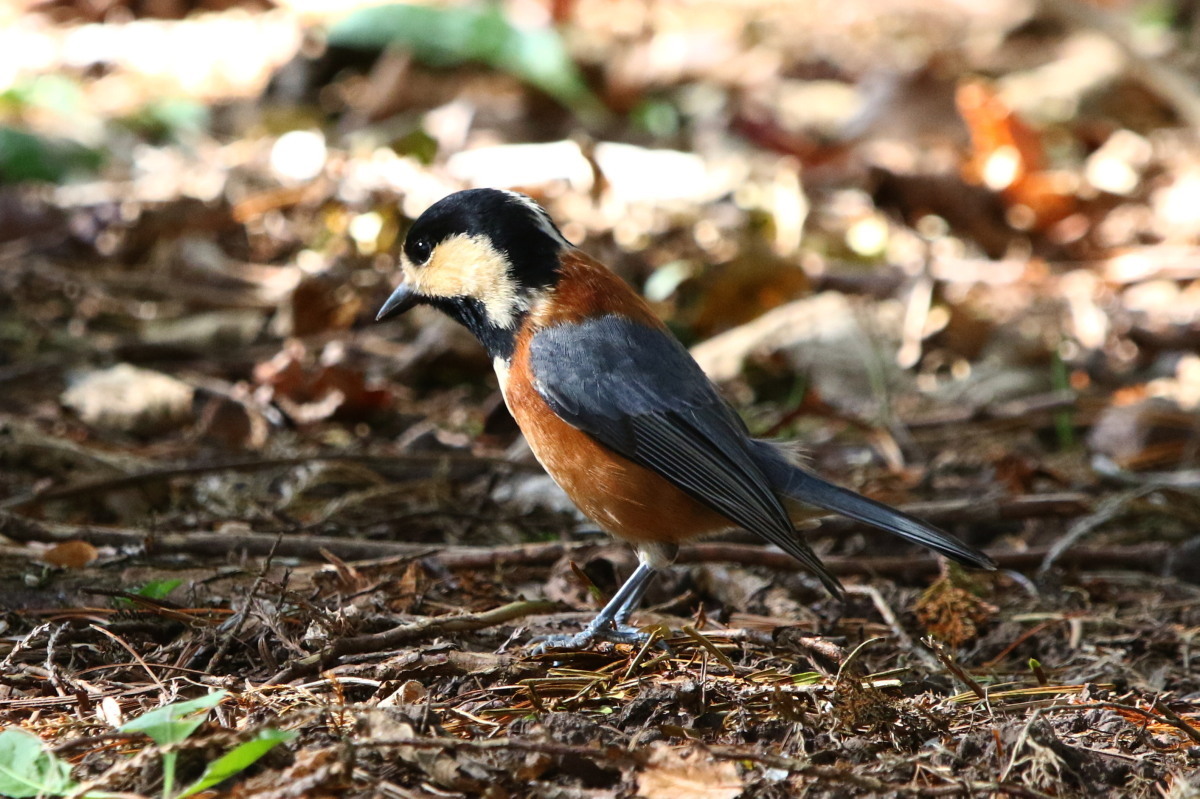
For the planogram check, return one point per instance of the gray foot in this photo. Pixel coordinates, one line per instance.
(609, 624)
(588, 636)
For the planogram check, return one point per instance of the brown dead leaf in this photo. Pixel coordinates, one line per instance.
(231, 423)
(1148, 434)
(311, 393)
(71, 554)
(744, 288)
(1007, 156)
(672, 773)
(320, 304)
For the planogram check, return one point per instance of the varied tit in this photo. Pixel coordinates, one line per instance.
(612, 405)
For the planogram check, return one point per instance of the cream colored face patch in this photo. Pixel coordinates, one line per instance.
(469, 266)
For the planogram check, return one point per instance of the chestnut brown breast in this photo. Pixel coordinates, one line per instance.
(625, 499)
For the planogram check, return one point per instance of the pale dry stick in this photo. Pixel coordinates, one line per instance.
(56, 678)
(407, 633)
(133, 653)
(710, 647)
(1181, 479)
(916, 315)
(240, 619)
(1020, 744)
(1107, 510)
(420, 464)
(21, 645)
(893, 623)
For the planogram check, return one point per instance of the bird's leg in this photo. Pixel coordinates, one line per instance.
(610, 622)
(655, 555)
(633, 600)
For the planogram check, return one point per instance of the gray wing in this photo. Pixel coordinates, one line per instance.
(637, 391)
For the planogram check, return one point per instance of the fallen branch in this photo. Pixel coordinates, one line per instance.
(1152, 557)
(407, 633)
(23, 529)
(454, 465)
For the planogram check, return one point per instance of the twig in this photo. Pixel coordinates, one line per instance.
(240, 619)
(958, 671)
(454, 465)
(1149, 557)
(59, 702)
(22, 644)
(1021, 408)
(24, 529)
(407, 633)
(893, 623)
(1179, 479)
(134, 653)
(710, 647)
(500, 744)
(1176, 721)
(1108, 509)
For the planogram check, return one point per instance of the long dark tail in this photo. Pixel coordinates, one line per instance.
(804, 486)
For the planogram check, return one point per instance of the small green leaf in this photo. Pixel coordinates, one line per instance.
(455, 35)
(58, 93)
(158, 589)
(26, 769)
(175, 722)
(167, 120)
(419, 144)
(806, 678)
(24, 156)
(238, 759)
(1064, 422)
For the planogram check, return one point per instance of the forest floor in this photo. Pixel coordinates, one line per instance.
(953, 252)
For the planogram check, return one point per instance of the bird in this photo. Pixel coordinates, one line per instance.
(612, 404)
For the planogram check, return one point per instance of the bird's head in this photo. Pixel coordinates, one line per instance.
(482, 256)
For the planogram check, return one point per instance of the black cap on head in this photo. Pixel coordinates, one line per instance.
(515, 224)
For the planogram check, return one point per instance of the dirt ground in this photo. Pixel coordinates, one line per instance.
(952, 250)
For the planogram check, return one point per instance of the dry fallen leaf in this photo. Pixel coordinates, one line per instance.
(1008, 157)
(672, 773)
(128, 399)
(71, 554)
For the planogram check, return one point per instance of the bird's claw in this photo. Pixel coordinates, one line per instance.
(622, 634)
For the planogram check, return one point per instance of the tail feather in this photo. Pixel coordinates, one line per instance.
(804, 486)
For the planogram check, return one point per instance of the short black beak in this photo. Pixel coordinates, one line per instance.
(402, 299)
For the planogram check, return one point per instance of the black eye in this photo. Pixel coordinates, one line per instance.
(418, 251)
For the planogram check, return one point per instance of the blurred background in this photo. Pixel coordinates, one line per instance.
(950, 245)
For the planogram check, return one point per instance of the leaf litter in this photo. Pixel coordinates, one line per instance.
(951, 251)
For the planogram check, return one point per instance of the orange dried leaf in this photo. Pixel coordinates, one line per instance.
(1000, 140)
(71, 555)
(1007, 156)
